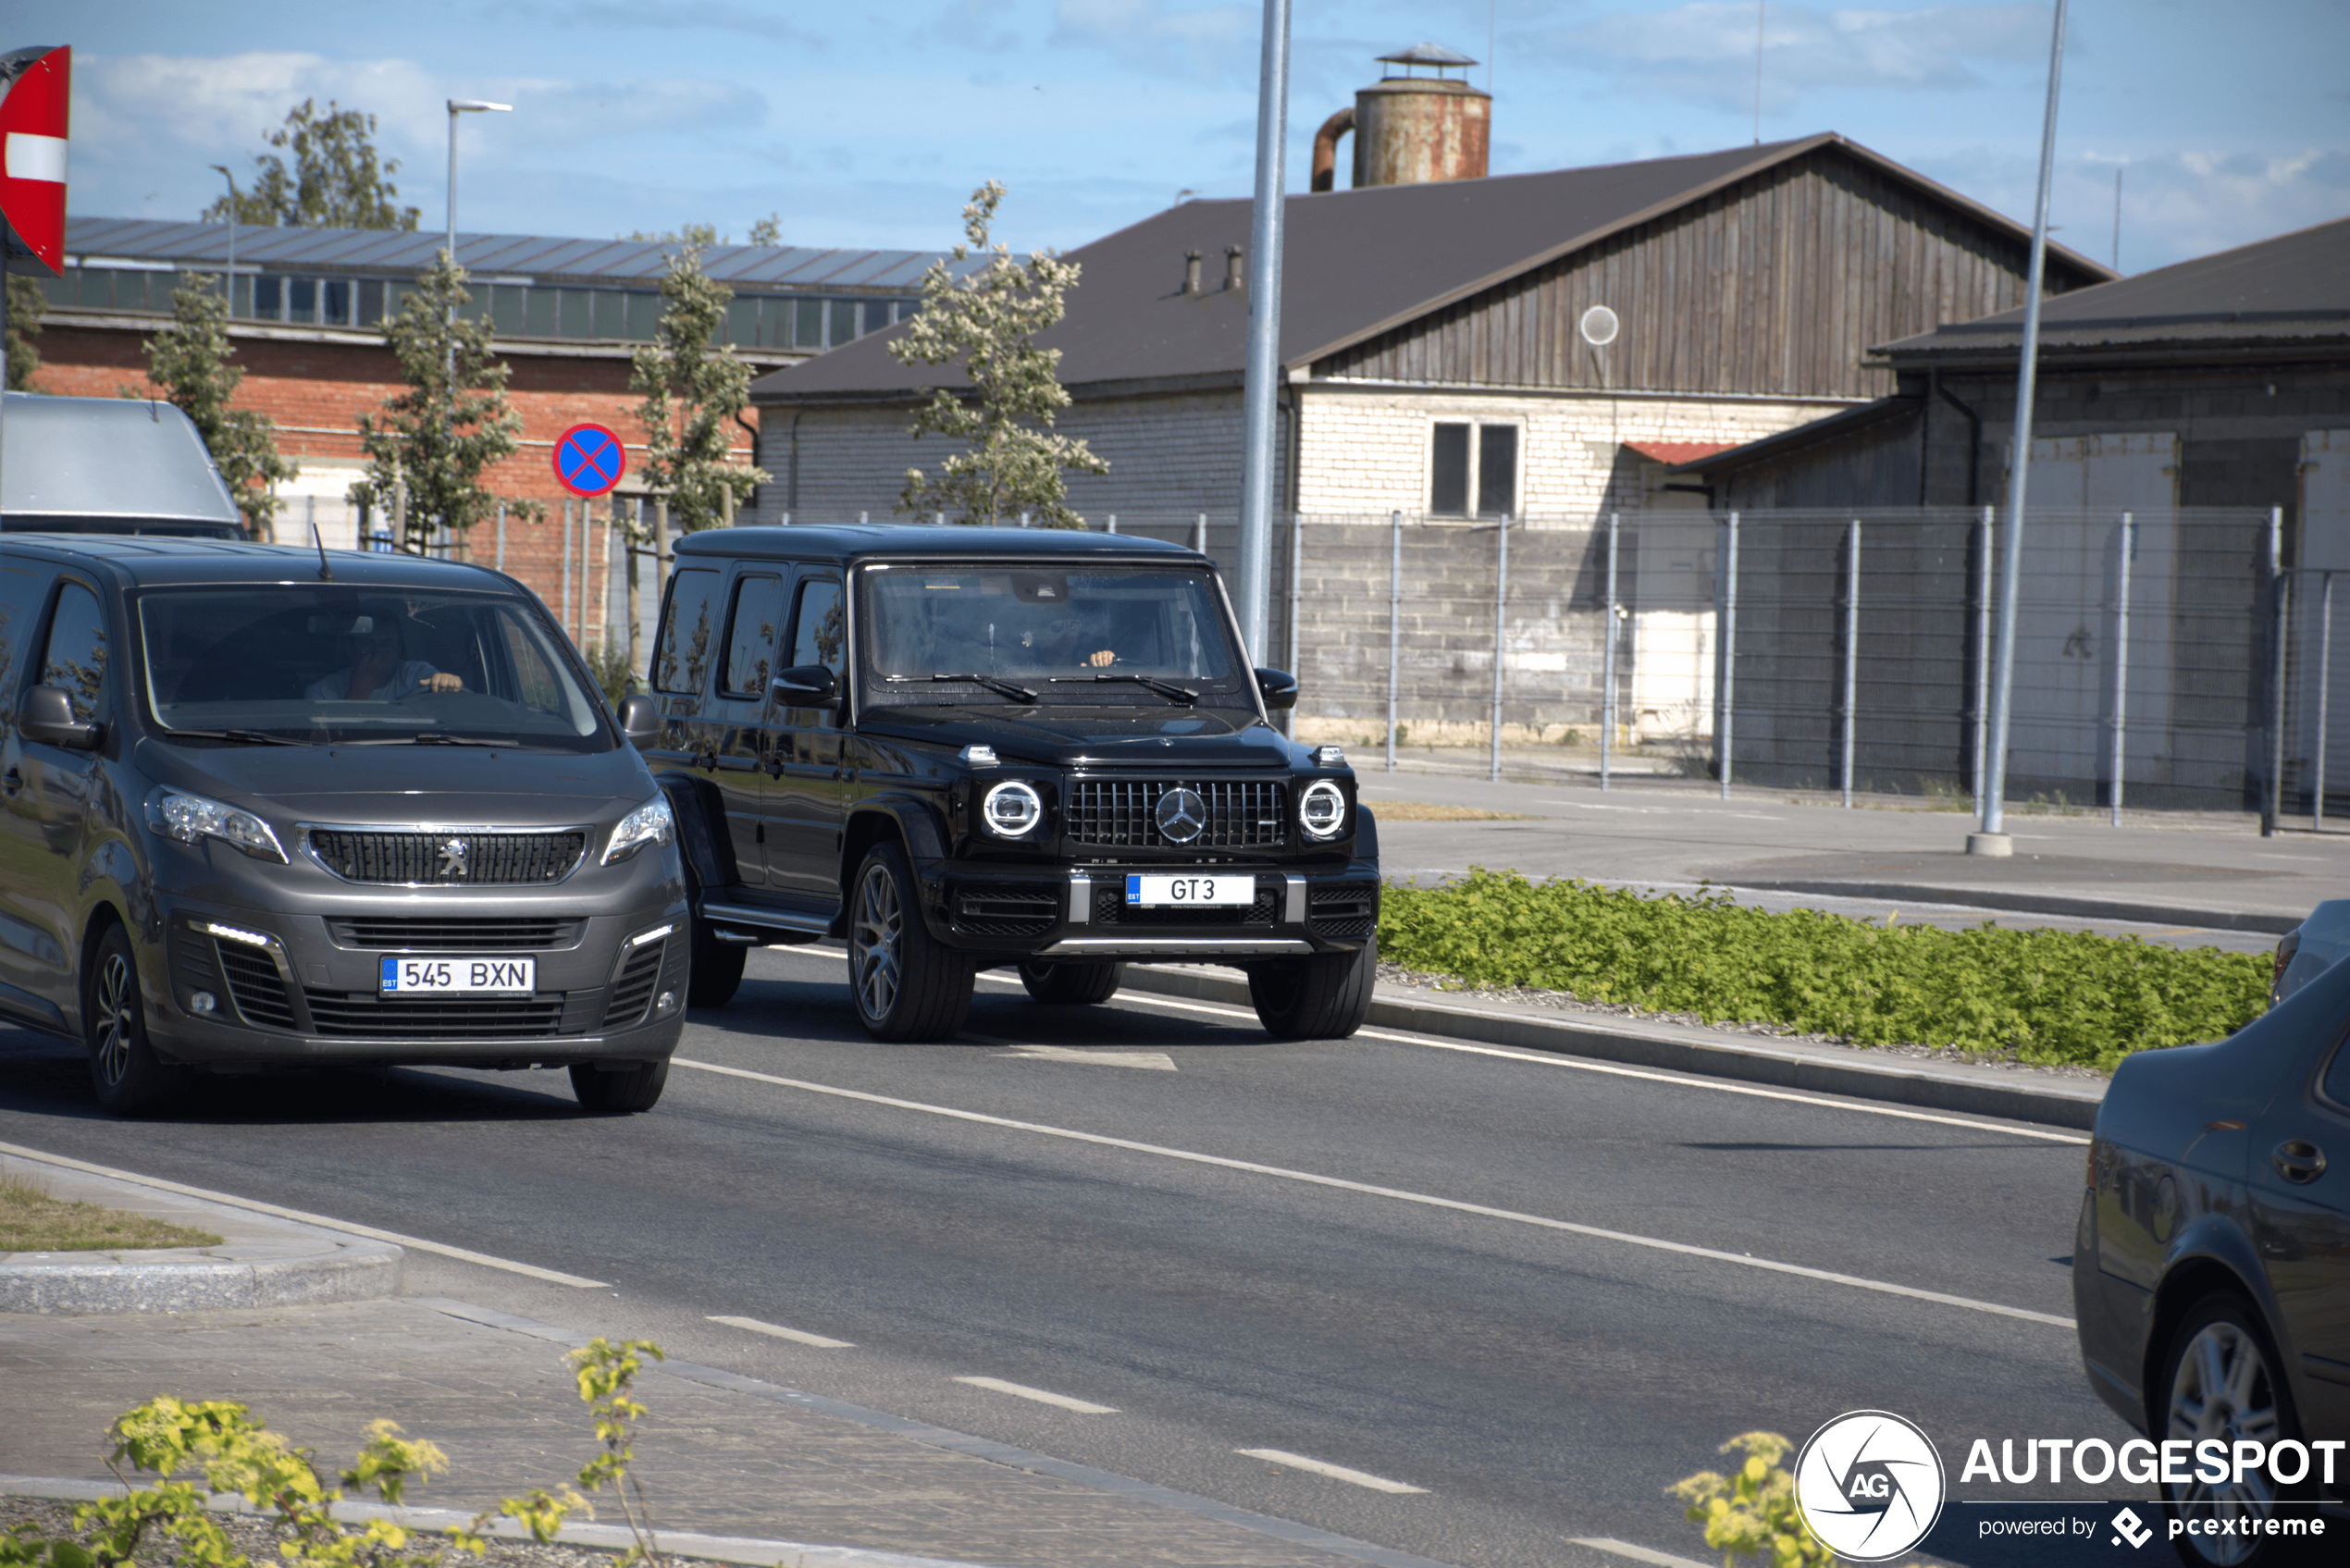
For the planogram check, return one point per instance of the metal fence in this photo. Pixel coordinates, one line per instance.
(2161, 658)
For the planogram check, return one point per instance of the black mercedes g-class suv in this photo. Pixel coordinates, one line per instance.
(964, 748)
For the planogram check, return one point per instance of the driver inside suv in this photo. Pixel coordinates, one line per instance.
(377, 672)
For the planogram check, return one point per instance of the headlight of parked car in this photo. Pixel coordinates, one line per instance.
(1321, 810)
(1013, 809)
(649, 823)
(189, 818)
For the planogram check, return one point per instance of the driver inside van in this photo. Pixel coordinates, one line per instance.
(376, 672)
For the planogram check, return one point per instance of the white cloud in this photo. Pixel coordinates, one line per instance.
(1211, 42)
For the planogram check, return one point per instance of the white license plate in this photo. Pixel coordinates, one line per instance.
(1150, 891)
(448, 977)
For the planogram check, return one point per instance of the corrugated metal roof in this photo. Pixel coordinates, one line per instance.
(799, 268)
(2295, 286)
(1356, 262)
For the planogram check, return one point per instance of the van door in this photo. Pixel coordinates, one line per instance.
(811, 801)
(24, 587)
(48, 809)
(738, 711)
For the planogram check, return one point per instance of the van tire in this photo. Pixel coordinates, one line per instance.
(904, 984)
(1326, 996)
(124, 1070)
(607, 1092)
(1072, 985)
(713, 969)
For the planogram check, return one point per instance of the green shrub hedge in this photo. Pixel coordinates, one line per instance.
(2045, 997)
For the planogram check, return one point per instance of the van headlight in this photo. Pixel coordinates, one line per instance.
(1321, 810)
(189, 818)
(1013, 809)
(649, 823)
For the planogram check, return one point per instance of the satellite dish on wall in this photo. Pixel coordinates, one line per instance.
(1599, 326)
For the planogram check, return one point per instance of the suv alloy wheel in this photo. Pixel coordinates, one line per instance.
(907, 986)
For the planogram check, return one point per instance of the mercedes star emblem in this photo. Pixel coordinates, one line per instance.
(453, 859)
(1182, 815)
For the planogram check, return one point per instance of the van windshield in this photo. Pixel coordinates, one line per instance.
(1120, 636)
(351, 665)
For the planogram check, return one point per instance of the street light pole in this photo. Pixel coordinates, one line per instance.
(449, 314)
(1992, 837)
(1260, 383)
(229, 281)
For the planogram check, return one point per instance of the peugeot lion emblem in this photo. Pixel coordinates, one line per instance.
(453, 859)
(1182, 815)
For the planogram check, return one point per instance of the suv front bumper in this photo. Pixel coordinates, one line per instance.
(1081, 915)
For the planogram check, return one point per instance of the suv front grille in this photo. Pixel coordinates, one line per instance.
(1005, 910)
(434, 933)
(356, 1015)
(1110, 908)
(478, 860)
(254, 985)
(1242, 813)
(1343, 911)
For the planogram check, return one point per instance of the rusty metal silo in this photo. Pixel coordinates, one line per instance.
(1410, 130)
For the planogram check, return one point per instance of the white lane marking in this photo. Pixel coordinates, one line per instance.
(1335, 1472)
(796, 1336)
(1042, 1396)
(1157, 1061)
(1639, 1553)
(553, 1276)
(1427, 1199)
(1614, 1071)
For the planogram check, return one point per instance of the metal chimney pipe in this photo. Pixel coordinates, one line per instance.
(1191, 272)
(1326, 148)
(1236, 267)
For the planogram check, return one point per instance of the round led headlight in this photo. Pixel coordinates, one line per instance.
(1321, 810)
(1013, 809)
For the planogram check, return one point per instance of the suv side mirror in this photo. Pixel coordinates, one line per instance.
(1279, 685)
(807, 686)
(641, 720)
(48, 717)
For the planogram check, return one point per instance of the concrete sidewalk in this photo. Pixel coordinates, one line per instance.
(2160, 875)
(735, 1462)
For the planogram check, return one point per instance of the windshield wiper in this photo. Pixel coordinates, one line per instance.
(242, 737)
(996, 684)
(442, 737)
(1185, 695)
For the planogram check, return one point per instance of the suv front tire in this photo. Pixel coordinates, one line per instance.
(1325, 997)
(907, 987)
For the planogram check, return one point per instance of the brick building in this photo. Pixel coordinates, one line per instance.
(565, 315)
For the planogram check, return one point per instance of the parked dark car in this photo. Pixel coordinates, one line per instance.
(963, 748)
(109, 465)
(2211, 1267)
(265, 806)
(2310, 948)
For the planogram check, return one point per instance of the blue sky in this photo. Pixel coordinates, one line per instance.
(867, 124)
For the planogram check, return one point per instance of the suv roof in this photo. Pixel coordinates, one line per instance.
(141, 558)
(863, 540)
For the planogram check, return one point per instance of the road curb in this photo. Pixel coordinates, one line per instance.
(672, 1543)
(1975, 1091)
(2002, 899)
(259, 1262)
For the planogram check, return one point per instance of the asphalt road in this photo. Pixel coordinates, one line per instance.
(1540, 1384)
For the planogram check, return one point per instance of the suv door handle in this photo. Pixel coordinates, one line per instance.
(2299, 1161)
(13, 782)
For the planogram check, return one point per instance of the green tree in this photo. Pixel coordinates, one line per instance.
(1012, 461)
(696, 234)
(27, 301)
(337, 182)
(451, 423)
(192, 361)
(768, 231)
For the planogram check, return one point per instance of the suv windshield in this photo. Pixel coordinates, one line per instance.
(350, 665)
(1123, 636)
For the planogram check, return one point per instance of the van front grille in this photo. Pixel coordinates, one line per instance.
(448, 859)
(356, 1015)
(634, 991)
(256, 986)
(435, 934)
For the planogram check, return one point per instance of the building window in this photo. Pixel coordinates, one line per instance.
(539, 311)
(269, 298)
(301, 300)
(808, 331)
(1460, 468)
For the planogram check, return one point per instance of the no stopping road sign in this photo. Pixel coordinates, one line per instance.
(589, 459)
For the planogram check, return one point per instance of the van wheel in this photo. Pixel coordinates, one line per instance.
(123, 1066)
(636, 1087)
(906, 985)
(1322, 998)
(2220, 1379)
(1072, 984)
(714, 969)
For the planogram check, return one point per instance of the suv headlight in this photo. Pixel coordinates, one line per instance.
(189, 818)
(1321, 810)
(1013, 809)
(649, 823)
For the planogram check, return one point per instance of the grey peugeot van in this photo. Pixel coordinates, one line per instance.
(265, 806)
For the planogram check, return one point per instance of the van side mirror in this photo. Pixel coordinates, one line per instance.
(807, 686)
(48, 718)
(1279, 685)
(641, 720)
